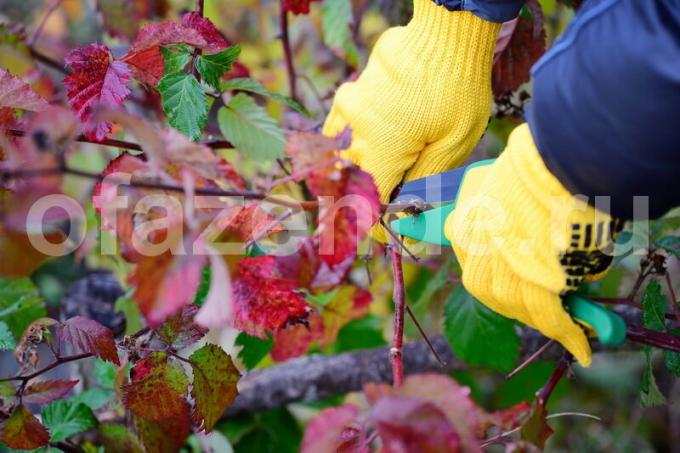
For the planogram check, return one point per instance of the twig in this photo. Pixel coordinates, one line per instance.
(653, 338)
(547, 390)
(304, 172)
(175, 355)
(674, 301)
(200, 7)
(288, 54)
(399, 304)
(628, 303)
(268, 228)
(645, 270)
(36, 33)
(530, 359)
(47, 61)
(215, 144)
(56, 363)
(424, 335)
(306, 205)
(396, 238)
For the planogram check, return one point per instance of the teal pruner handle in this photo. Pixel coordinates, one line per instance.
(609, 327)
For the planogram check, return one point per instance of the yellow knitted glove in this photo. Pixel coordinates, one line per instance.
(424, 99)
(523, 241)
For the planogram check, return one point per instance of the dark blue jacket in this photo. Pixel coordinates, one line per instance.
(605, 113)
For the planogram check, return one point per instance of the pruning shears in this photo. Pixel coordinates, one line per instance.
(428, 226)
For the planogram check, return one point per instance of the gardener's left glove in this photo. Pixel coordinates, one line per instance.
(424, 99)
(523, 241)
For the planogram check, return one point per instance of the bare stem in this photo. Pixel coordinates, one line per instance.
(547, 390)
(47, 61)
(424, 335)
(56, 363)
(269, 227)
(36, 33)
(307, 205)
(288, 54)
(399, 297)
(304, 172)
(398, 240)
(653, 338)
(530, 359)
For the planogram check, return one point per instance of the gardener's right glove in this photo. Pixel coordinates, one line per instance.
(523, 241)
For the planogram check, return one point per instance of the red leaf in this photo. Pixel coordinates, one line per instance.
(453, 400)
(306, 149)
(325, 431)
(166, 33)
(15, 93)
(297, 6)
(168, 434)
(513, 66)
(180, 330)
(294, 340)
(241, 224)
(147, 65)
(344, 219)
(157, 390)
(264, 299)
(86, 335)
(214, 387)
(407, 424)
(214, 39)
(44, 392)
(97, 79)
(22, 431)
(166, 283)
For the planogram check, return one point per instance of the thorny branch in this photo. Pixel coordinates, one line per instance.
(17, 174)
(399, 297)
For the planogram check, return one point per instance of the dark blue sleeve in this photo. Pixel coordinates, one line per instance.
(492, 10)
(605, 113)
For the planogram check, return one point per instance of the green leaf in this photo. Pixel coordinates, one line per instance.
(7, 342)
(478, 335)
(336, 18)
(104, 373)
(250, 128)
(253, 349)
(203, 287)
(94, 398)
(175, 58)
(184, 103)
(117, 438)
(274, 431)
(654, 307)
(214, 387)
(63, 419)
(536, 429)
(20, 304)
(358, 334)
(213, 67)
(671, 358)
(671, 244)
(254, 86)
(650, 395)
(434, 284)
(133, 316)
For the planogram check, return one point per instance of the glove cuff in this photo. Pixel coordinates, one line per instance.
(436, 33)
